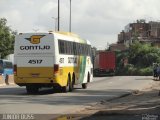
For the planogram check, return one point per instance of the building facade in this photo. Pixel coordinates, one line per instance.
(144, 32)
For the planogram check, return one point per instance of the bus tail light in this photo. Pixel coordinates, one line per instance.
(56, 68)
(15, 69)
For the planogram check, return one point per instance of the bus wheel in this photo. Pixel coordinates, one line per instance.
(69, 87)
(84, 85)
(65, 89)
(73, 82)
(31, 89)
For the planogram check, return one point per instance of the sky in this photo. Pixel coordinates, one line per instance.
(99, 21)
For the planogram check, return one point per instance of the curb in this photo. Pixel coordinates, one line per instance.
(121, 96)
(118, 97)
(145, 109)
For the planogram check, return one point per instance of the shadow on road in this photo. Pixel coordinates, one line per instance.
(50, 97)
(22, 91)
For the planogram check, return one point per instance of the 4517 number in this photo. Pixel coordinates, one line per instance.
(35, 61)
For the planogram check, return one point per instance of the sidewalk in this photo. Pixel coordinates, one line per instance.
(140, 105)
(10, 80)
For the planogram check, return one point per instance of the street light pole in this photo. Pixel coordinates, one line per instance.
(55, 22)
(58, 16)
(70, 18)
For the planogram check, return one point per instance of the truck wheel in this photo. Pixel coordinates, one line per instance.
(31, 89)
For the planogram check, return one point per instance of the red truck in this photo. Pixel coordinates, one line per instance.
(104, 63)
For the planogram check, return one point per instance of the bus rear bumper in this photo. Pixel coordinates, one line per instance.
(39, 81)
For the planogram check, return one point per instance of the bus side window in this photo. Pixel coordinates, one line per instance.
(65, 47)
(61, 46)
(74, 48)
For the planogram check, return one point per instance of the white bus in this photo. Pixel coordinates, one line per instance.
(55, 59)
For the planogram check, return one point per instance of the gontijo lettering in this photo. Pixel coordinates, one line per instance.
(45, 47)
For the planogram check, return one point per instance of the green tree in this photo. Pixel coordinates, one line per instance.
(6, 38)
(143, 55)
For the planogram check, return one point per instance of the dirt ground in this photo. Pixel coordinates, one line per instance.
(140, 105)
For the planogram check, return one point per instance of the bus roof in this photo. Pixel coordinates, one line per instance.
(65, 34)
(73, 35)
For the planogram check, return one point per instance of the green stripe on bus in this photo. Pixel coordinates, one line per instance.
(82, 69)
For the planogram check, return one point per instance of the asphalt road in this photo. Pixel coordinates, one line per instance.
(14, 99)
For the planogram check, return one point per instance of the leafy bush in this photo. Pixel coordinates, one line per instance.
(146, 71)
(140, 57)
(132, 70)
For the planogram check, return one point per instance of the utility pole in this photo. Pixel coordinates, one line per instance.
(70, 18)
(55, 18)
(58, 16)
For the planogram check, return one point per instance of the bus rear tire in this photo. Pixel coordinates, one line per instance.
(31, 89)
(84, 85)
(69, 87)
(65, 89)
